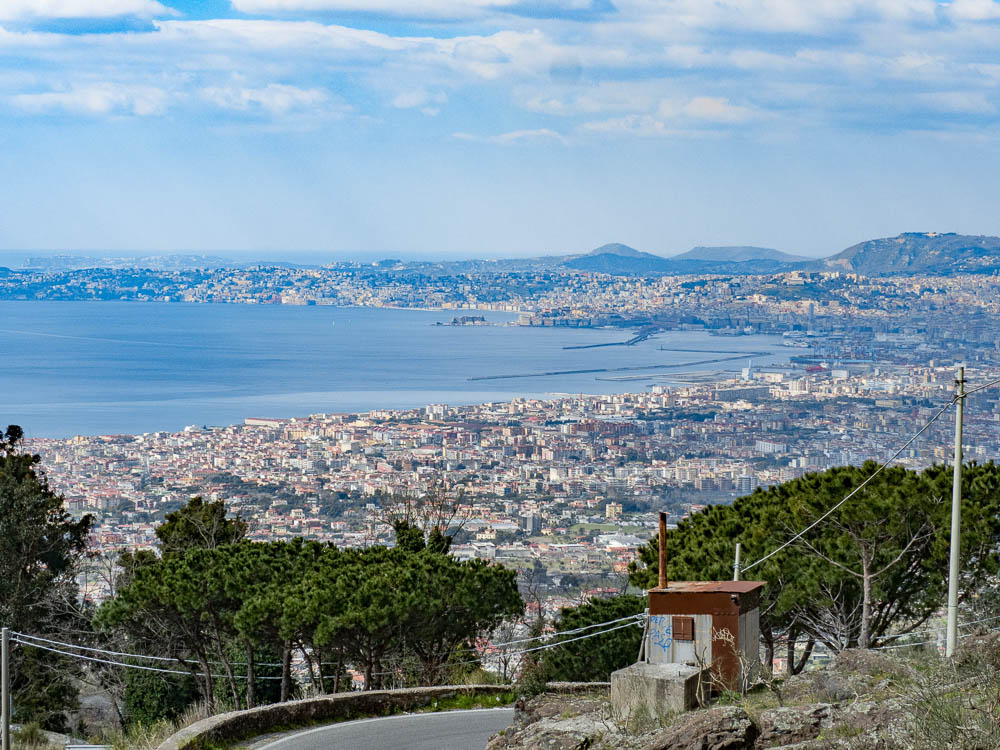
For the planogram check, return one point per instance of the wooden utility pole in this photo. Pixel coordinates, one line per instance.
(736, 563)
(956, 520)
(5, 693)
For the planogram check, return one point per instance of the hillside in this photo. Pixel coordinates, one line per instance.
(861, 700)
(737, 254)
(919, 253)
(618, 259)
(621, 260)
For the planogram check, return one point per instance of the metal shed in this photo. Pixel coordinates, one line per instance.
(710, 624)
(715, 624)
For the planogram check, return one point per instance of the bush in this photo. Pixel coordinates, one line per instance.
(151, 697)
(594, 659)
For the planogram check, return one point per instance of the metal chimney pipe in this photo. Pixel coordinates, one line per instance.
(663, 550)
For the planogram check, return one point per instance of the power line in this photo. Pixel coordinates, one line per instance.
(546, 646)
(567, 632)
(107, 652)
(123, 664)
(935, 640)
(861, 486)
(934, 630)
(578, 638)
(981, 387)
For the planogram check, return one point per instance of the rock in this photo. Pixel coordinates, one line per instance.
(818, 687)
(554, 722)
(875, 664)
(780, 727)
(726, 728)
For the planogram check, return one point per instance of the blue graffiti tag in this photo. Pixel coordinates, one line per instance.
(661, 631)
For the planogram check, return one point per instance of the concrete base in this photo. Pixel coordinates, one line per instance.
(655, 691)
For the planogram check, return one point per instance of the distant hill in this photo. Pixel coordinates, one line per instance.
(618, 259)
(918, 253)
(622, 260)
(911, 253)
(617, 248)
(737, 254)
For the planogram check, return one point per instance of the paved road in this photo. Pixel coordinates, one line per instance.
(448, 730)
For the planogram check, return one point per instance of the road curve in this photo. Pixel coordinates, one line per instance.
(447, 730)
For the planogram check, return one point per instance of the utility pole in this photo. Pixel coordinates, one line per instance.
(736, 563)
(956, 520)
(5, 697)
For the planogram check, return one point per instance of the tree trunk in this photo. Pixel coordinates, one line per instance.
(251, 676)
(340, 666)
(797, 668)
(286, 670)
(206, 670)
(793, 637)
(864, 640)
(226, 665)
(311, 667)
(768, 637)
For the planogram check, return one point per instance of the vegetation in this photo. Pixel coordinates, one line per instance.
(40, 549)
(598, 657)
(219, 607)
(876, 566)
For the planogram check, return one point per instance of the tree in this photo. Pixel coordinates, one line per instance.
(40, 548)
(596, 658)
(151, 697)
(198, 525)
(875, 566)
(451, 603)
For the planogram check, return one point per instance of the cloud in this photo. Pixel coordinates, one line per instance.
(424, 9)
(779, 15)
(18, 9)
(638, 125)
(515, 136)
(98, 99)
(715, 109)
(959, 102)
(427, 102)
(974, 10)
(274, 98)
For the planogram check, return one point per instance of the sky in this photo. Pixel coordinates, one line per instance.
(321, 129)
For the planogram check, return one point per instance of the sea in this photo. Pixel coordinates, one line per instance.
(98, 368)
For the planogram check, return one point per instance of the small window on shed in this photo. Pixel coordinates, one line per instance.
(683, 628)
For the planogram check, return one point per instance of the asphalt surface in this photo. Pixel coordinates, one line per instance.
(448, 730)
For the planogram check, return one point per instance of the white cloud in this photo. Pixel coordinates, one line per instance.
(959, 102)
(274, 98)
(715, 109)
(974, 10)
(777, 15)
(426, 101)
(431, 9)
(15, 9)
(98, 99)
(641, 125)
(515, 136)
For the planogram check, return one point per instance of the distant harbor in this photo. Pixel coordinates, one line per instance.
(119, 367)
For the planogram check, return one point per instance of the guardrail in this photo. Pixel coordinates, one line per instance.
(238, 725)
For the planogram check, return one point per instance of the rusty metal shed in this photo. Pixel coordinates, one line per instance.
(709, 624)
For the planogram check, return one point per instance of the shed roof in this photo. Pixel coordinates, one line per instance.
(709, 587)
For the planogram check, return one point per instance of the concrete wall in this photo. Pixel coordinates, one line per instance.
(236, 725)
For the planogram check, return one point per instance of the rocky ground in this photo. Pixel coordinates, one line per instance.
(863, 700)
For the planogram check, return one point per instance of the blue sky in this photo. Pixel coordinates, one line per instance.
(485, 128)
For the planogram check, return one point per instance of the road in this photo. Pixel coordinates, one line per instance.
(448, 730)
